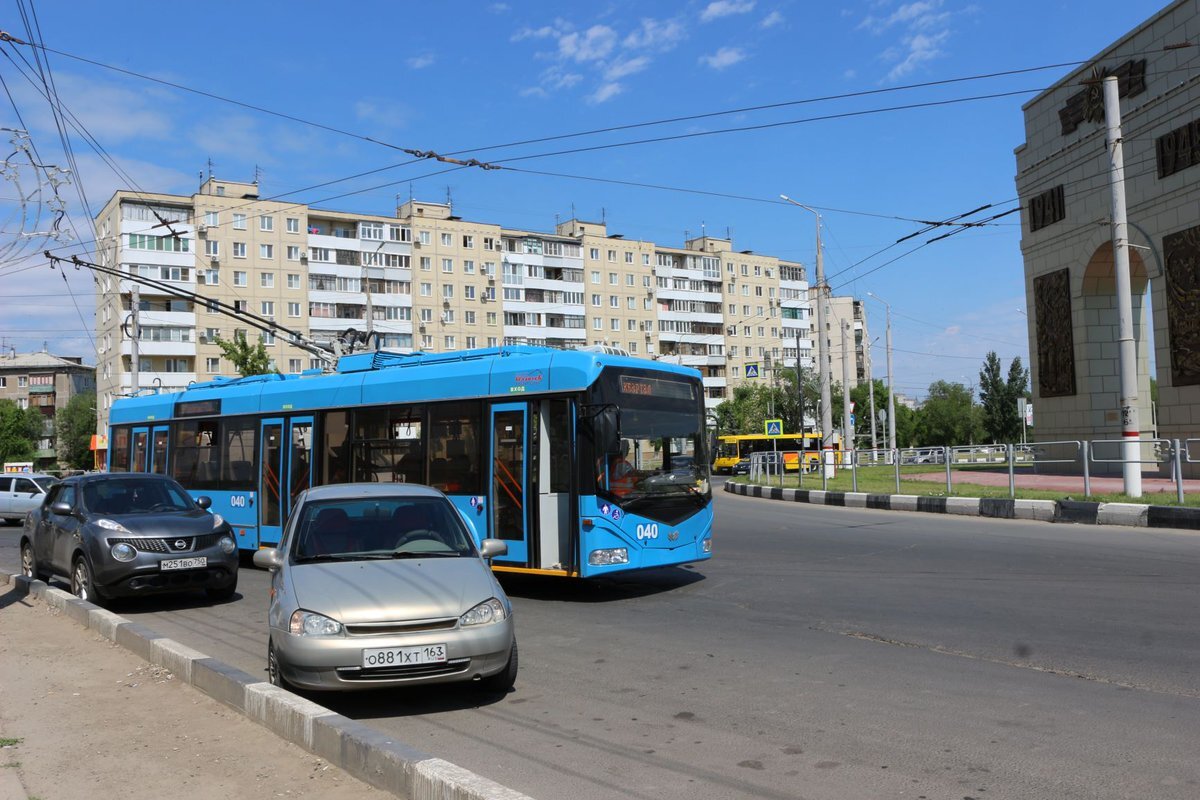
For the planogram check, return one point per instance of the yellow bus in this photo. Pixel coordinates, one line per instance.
(733, 448)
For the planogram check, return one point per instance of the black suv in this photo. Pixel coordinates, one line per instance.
(128, 534)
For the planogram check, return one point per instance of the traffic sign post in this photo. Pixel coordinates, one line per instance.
(752, 370)
(773, 427)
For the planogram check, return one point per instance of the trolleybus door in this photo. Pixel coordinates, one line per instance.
(270, 477)
(285, 470)
(160, 441)
(510, 479)
(140, 462)
(554, 471)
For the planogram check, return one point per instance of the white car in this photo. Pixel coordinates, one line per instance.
(22, 492)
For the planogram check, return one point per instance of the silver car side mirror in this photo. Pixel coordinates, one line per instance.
(268, 558)
(490, 548)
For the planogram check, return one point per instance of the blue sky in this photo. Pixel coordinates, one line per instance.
(459, 76)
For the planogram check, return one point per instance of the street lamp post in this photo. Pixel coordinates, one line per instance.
(822, 346)
(891, 375)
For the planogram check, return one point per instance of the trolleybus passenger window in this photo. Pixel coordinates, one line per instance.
(237, 462)
(335, 453)
(197, 455)
(120, 450)
(454, 447)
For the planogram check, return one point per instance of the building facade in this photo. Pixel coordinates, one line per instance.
(1063, 181)
(424, 279)
(46, 382)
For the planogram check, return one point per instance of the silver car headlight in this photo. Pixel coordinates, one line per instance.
(227, 544)
(123, 552)
(308, 623)
(110, 525)
(490, 610)
(218, 520)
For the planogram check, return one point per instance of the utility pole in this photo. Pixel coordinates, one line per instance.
(1127, 349)
(871, 396)
(822, 345)
(847, 425)
(134, 332)
(799, 381)
(891, 375)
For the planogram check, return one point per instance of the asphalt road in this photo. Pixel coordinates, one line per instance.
(823, 653)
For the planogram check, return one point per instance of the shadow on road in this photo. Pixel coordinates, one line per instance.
(408, 702)
(599, 590)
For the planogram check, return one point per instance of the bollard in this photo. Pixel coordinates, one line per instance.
(1085, 452)
(1177, 464)
(1012, 473)
(949, 481)
(896, 464)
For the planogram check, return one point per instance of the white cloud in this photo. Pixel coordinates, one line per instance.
(421, 61)
(623, 68)
(558, 78)
(924, 31)
(724, 58)
(655, 34)
(771, 20)
(594, 44)
(725, 8)
(606, 92)
(499, 8)
(556, 30)
(920, 48)
(381, 113)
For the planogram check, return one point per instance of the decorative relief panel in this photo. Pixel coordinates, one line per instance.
(1047, 208)
(1178, 149)
(1088, 105)
(1181, 252)
(1055, 337)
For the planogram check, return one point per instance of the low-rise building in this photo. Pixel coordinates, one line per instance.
(46, 382)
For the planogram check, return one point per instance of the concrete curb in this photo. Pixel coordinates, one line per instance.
(360, 750)
(1129, 514)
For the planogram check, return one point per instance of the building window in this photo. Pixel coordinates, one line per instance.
(212, 365)
(612, 256)
(468, 267)
(469, 318)
(370, 230)
(491, 320)
(266, 251)
(612, 279)
(426, 290)
(469, 292)
(266, 223)
(212, 248)
(594, 253)
(239, 222)
(239, 278)
(266, 280)
(268, 308)
(292, 224)
(468, 242)
(22, 381)
(447, 240)
(447, 291)
(293, 309)
(293, 280)
(212, 218)
(239, 249)
(426, 263)
(293, 252)
(267, 338)
(447, 265)
(424, 237)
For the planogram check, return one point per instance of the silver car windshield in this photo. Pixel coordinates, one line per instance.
(378, 528)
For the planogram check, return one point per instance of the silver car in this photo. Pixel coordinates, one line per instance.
(22, 492)
(379, 585)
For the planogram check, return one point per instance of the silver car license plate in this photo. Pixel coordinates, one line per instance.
(403, 656)
(171, 564)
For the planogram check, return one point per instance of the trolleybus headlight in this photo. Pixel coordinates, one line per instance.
(491, 610)
(123, 552)
(614, 555)
(110, 525)
(307, 623)
(227, 544)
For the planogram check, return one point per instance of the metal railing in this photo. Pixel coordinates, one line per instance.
(773, 467)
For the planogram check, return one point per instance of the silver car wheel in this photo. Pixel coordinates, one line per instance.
(273, 666)
(27, 566)
(81, 580)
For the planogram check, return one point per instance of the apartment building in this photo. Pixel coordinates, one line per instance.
(423, 279)
(46, 382)
(853, 312)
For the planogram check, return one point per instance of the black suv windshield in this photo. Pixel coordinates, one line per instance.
(648, 436)
(135, 496)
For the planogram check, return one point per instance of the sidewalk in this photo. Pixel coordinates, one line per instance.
(90, 719)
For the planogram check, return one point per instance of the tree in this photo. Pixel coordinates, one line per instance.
(75, 425)
(998, 399)
(247, 359)
(19, 431)
(948, 417)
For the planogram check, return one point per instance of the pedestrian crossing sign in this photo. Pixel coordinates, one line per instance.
(774, 427)
(752, 370)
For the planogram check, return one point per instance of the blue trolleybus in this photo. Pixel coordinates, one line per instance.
(584, 463)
